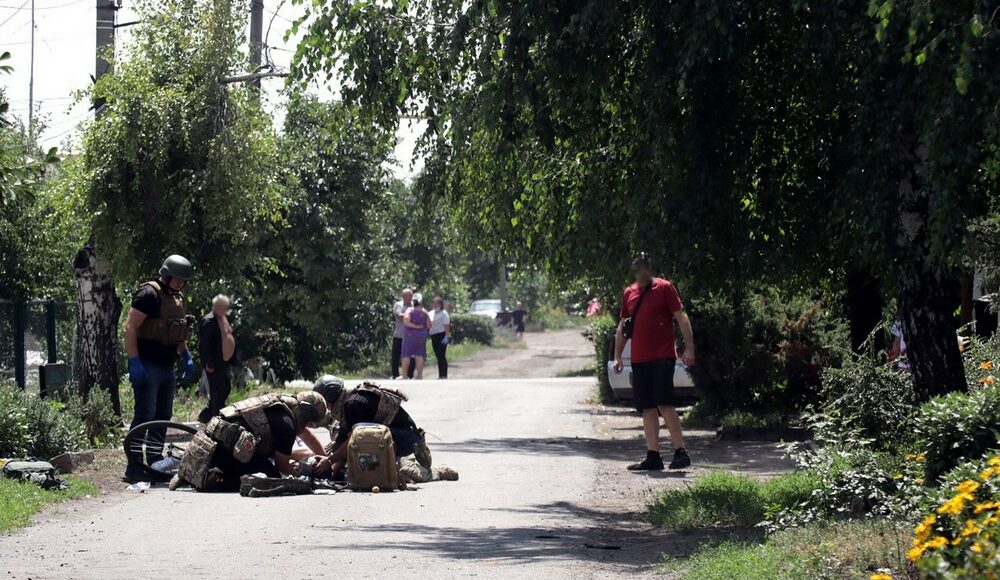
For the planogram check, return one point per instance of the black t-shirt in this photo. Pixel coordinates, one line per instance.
(210, 343)
(360, 407)
(147, 301)
(518, 316)
(282, 425)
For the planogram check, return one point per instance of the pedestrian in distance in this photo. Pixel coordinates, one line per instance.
(519, 316)
(649, 308)
(417, 325)
(156, 332)
(440, 331)
(398, 311)
(216, 347)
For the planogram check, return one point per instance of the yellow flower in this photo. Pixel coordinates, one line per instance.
(936, 542)
(989, 380)
(987, 473)
(915, 552)
(881, 576)
(986, 365)
(920, 457)
(898, 476)
(923, 529)
(954, 506)
(919, 481)
(967, 486)
(970, 529)
(994, 461)
(977, 547)
(990, 505)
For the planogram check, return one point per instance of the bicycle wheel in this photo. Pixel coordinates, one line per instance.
(158, 446)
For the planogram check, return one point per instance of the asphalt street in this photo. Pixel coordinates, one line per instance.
(516, 512)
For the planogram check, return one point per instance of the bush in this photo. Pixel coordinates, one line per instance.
(959, 538)
(721, 498)
(979, 356)
(471, 327)
(603, 330)
(958, 427)
(871, 399)
(101, 425)
(32, 427)
(764, 352)
(552, 318)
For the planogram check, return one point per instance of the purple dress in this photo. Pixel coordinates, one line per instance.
(415, 339)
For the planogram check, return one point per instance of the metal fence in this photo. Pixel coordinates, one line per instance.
(37, 342)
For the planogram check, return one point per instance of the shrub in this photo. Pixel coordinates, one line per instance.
(765, 351)
(101, 425)
(32, 427)
(982, 358)
(471, 327)
(872, 399)
(603, 330)
(721, 498)
(552, 318)
(958, 426)
(959, 538)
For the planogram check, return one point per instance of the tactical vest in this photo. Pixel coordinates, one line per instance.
(172, 326)
(253, 412)
(389, 402)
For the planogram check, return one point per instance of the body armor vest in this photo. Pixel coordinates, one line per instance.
(252, 411)
(172, 326)
(389, 402)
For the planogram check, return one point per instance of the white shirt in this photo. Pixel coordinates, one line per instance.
(398, 310)
(439, 319)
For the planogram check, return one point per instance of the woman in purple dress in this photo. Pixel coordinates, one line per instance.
(416, 327)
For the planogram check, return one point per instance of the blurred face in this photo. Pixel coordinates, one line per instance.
(176, 284)
(220, 308)
(438, 304)
(407, 297)
(642, 274)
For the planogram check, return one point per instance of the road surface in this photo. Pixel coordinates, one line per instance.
(542, 494)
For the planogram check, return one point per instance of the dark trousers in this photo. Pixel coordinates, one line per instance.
(219, 387)
(441, 353)
(397, 356)
(154, 400)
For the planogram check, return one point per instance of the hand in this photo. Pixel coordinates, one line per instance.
(688, 357)
(136, 372)
(619, 365)
(188, 364)
(445, 339)
(322, 467)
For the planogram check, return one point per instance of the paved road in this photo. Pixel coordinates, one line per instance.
(517, 512)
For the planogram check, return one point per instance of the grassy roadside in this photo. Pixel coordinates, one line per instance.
(20, 501)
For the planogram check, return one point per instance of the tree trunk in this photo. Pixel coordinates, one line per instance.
(924, 300)
(98, 311)
(864, 309)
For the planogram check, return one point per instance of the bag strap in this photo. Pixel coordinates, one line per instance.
(642, 297)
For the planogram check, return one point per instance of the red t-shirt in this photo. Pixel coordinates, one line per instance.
(653, 329)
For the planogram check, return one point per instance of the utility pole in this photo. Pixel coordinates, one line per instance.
(256, 38)
(105, 25)
(31, 74)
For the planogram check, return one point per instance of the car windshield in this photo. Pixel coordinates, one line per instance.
(485, 305)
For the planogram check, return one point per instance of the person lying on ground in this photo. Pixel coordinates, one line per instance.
(254, 436)
(370, 403)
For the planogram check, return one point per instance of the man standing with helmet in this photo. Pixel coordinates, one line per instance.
(649, 308)
(156, 333)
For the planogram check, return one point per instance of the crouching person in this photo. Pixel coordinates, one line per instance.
(252, 436)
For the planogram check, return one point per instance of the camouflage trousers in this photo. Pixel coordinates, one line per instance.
(410, 471)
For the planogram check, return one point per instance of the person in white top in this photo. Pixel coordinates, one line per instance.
(440, 331)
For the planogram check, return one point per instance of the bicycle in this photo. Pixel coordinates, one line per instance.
(158, 447)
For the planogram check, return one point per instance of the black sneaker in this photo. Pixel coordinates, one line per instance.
(652, 462)
(681, 459)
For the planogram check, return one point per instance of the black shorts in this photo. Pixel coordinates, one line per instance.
(653, 384)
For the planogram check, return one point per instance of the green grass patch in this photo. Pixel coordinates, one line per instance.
(720, 498)
(855, 549)
(587, 371)
(19, 501)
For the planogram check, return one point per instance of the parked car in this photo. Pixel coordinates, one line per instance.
(621, 383)
(486, 308)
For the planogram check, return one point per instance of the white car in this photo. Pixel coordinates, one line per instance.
(486, 308)
(621, 383)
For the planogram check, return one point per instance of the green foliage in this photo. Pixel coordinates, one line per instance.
(872, 399)
(471, 327)
(19, 501)
(748, 419)
(178, 161)
(32, 427)
(603, 329)
(957, 427)
(720, 498)
(765, 352)
(101, 426)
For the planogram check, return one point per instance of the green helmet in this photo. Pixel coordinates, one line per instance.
(177, 267)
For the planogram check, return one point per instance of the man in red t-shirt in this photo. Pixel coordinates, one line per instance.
(651, 305)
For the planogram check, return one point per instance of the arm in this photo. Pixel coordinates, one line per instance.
(685, 323)
(312, 442)
(285, 464)
(408, 322)
(619, 346)
(132, 323)
(447, 330)
(228, 342)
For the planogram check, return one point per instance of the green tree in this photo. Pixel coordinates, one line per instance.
(785, 143)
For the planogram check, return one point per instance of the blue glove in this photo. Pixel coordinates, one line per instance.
(188, 364)
(445, 339)
(136, 372)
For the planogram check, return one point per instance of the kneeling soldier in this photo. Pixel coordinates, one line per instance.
(246, 437)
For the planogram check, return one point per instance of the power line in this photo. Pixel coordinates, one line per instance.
(16, 11)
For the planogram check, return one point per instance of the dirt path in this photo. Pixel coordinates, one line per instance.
(543, 355)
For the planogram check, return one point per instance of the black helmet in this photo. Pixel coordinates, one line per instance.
(330, 387)
(177, 267)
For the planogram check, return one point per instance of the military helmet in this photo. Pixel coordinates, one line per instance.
(311, 407)
(330, 387)
(179, 267)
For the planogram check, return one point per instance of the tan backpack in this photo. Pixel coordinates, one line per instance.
(371, 458)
